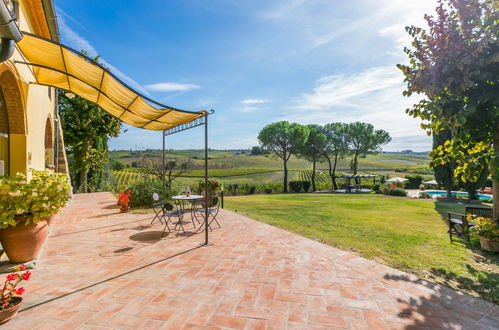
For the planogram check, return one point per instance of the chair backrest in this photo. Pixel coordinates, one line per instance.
(155, 197)
(214, 201)
(479, 211)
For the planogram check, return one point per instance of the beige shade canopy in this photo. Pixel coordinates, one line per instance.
(62, 67)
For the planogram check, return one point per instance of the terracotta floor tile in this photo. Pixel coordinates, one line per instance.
(104, 269)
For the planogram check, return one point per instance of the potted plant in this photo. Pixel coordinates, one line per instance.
(10, 300)
(124, 200)
(25, 206)
(487, 231)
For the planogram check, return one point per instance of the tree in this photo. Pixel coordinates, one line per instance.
(87, 129)
(444, 173)
(313, 149)
(256, 150)
(172, 170)
(363, 140)
(454, 65)
(282, 139)
(336, 147)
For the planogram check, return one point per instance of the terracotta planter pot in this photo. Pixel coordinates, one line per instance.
(23, 243)
(8, 314)
(124, 209)
(488, 244)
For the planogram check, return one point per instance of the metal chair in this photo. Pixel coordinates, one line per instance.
(169, 212)
(213, 209)
(158, 208)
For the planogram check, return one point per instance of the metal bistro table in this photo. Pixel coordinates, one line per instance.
(185, 204)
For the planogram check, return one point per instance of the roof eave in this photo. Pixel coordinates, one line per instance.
(49, 9)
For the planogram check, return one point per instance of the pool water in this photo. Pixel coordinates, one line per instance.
(454, 193)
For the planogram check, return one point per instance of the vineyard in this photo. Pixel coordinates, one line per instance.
(320, 176)
(129, 177)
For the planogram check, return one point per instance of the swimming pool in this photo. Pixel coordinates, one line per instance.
(435, 194)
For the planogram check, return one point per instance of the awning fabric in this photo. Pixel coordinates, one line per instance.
(62, 67)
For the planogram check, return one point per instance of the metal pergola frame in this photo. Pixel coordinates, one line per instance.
(357, 176)
(180, 128)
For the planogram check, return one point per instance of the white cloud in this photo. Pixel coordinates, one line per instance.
(171, 87)
(373, 96)
(254, 101)
(77, 42)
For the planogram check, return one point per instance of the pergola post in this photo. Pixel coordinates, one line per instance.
(207, 197)
(163, 168)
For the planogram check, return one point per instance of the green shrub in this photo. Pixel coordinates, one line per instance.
(385, 190)
(398, 192)
(142, 192)
(425, 195)
(306, 185)
(414, 181)
(251, 190)
(268, 190)
(295, 186)
(377, 188)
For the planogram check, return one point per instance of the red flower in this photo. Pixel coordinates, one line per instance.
(21, 267)
(11, 277)
(20, 291)
(26, 276)
(5, 304)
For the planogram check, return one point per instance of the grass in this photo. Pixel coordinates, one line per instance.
(407, 234)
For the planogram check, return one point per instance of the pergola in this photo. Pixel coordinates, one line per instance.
(56, 65)
(356, 177)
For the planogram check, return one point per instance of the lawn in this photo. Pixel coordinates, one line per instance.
(407, 234)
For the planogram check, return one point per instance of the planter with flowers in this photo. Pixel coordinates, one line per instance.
(487, 231)
(124, 200)
(25, 206)
(10, 300)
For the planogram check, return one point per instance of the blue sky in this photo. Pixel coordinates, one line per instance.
(255, 62)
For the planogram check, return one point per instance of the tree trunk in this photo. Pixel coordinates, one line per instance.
(83, 181)
(333, 179)
(335, 186)
(313, 174)
(355, 164)
(84, 172)
(285, 176)
(494, 164)
(355, 167)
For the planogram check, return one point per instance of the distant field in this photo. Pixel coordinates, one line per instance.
(239, 167)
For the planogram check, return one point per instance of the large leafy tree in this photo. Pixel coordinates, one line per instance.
(313, 149)
(455, 66)
(282, 139)
(336, 147)
(362, 140)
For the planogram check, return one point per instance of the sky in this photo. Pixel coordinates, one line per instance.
(255, 62)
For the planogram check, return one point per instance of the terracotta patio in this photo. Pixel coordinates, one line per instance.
(101, 269)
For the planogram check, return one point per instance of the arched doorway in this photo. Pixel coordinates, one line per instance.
(49, 145)
(12, 116)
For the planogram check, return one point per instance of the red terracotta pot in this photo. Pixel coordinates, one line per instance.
(23, 243)
(8, 314)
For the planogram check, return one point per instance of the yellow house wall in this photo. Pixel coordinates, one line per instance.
(27, 151)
